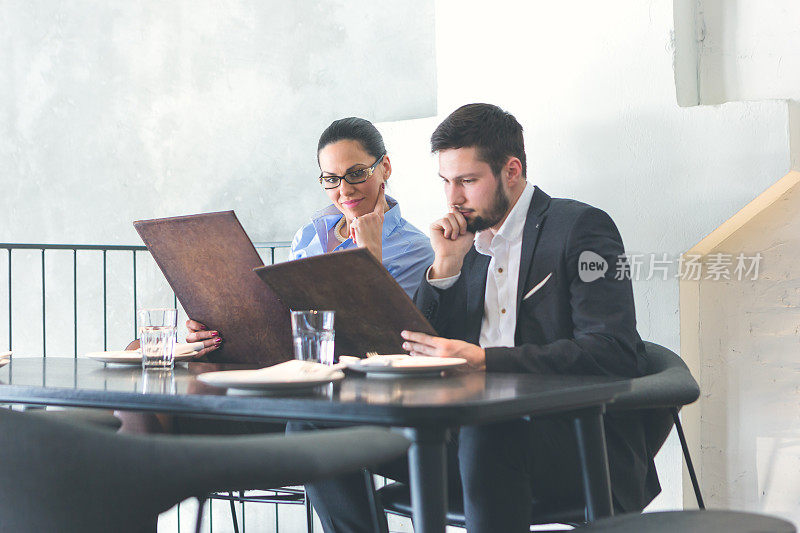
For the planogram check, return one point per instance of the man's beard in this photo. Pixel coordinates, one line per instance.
(494, 213)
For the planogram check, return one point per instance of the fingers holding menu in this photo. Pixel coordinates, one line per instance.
(199, 333)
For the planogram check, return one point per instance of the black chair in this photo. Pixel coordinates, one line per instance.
(667, 387)
(60, 476)
(712, 521)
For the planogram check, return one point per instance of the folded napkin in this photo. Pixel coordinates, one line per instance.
(402, 360)
(288, 372)
(186, 347)
(299, 370)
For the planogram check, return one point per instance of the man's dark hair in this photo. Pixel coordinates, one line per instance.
(495, 133)
(354, 129)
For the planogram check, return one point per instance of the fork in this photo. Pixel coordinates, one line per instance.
(372, 354)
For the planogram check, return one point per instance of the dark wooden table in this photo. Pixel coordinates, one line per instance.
(427, 407)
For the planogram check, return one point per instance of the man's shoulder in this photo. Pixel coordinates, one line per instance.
(568, 207)
(565, 212)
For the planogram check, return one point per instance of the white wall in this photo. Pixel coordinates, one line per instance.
(735, 50)
(794, 134)
(592, 84)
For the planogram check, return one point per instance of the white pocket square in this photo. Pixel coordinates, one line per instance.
(537, 287)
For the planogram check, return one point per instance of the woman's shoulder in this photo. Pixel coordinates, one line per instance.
(304, 233)
(303, 238)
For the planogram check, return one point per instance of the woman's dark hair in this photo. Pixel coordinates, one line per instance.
(495, 133)
(353, 129)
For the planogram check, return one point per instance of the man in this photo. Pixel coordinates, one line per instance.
(507, 292)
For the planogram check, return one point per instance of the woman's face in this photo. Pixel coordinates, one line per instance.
(341, 157)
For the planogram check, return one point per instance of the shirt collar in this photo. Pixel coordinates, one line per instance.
(325, 219)
(512, 227)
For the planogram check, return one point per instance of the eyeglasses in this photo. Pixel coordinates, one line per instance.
(353, 177)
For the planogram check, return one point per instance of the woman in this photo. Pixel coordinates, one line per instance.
(354, 169)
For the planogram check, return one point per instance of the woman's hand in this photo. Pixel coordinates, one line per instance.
(367, 230)
(198, 332)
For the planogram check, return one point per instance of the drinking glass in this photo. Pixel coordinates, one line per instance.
(157, 329)
(313, 336)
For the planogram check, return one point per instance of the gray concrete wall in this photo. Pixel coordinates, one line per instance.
(117, 111)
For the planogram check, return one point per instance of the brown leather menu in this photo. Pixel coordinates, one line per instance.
(208, 260)
(371, 307)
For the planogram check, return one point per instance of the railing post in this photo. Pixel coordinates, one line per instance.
(9, 300)
(75, 300)
(135, 318)
(44, 314)
(105, 313)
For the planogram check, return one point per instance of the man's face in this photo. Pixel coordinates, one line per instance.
(470, 185)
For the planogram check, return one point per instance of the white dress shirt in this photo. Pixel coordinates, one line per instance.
(505, 248)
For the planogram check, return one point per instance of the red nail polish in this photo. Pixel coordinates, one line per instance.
(215, 333)
(218, 341)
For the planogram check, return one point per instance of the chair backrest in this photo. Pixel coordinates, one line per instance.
(56, 476)
(667, 385)
(60, 476)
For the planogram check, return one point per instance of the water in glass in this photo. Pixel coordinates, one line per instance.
(314, 346)
(313, 336)
(158, 346)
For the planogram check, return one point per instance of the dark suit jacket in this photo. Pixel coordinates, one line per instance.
(568, 326)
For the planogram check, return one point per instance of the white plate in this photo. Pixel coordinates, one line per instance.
(258, 380)
(402, 365)
(131, 357)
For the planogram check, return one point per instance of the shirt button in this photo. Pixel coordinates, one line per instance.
(503, 310)
(500, 270)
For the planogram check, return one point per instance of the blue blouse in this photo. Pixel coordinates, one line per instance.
(407, 252)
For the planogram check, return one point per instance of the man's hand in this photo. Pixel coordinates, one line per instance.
(367, 230)
(450, 241)
(422, 344)
(198, 332)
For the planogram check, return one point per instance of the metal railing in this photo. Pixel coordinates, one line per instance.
(10, 248)
(266, 251)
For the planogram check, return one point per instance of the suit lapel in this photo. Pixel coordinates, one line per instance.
(530, 237)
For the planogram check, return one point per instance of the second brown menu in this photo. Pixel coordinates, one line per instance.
(371, 307)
